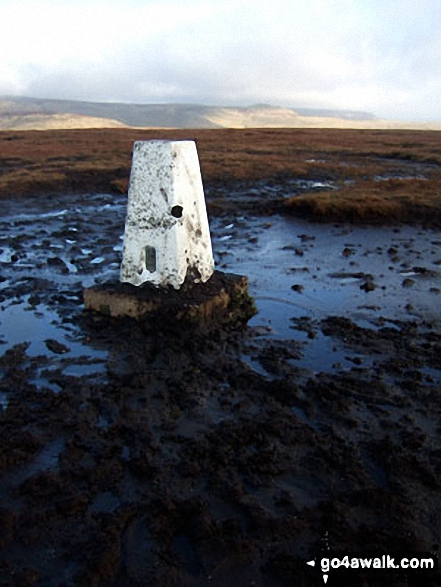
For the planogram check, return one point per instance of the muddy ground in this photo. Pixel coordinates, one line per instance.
(133, 457)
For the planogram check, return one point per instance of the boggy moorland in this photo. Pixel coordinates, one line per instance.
(133, 456)
(381, 175)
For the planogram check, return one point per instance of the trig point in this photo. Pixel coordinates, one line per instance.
(167, 243)
(166, 232)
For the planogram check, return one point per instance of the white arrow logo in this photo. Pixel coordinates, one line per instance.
(312, 564)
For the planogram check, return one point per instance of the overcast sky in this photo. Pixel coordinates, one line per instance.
(381, 56)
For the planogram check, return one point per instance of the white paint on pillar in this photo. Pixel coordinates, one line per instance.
(166, 232)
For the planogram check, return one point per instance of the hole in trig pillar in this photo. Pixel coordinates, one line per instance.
(150, 258)
(176, 211)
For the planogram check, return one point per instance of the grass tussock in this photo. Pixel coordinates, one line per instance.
(409, 201)
(378, 175)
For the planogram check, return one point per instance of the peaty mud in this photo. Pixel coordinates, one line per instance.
(140, 457)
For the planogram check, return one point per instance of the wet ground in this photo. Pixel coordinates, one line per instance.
(133, 457)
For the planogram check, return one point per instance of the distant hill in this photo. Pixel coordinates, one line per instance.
(21, 113)
(54, 121)
(133, 115)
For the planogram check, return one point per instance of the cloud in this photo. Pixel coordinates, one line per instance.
(377, 55)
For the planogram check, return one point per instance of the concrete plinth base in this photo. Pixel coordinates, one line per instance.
(223, 299)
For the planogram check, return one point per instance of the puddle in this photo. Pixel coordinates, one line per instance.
(255, 365)
(295, 268)
(79, 369)
(43, 382)
(389, 176)
(4, 400)
(337, 265)
(20, 323)
(330, 280)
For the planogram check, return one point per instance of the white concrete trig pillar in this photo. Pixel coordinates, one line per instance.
(166, 232)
